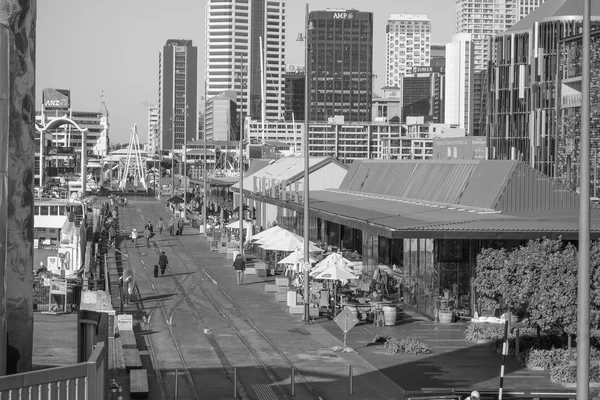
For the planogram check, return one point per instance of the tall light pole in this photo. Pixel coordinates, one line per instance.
(184, 161)
(204, 174)
(583, 274)
(304, 38)
(241, 157)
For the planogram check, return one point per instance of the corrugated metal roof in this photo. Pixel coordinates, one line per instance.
(554, 8)
(402, 216)
(443, 181)
(501, 185)
(282, 169)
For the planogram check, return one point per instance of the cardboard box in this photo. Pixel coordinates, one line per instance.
(291, 298)
(297, 310)
(250, 271)
(261, 273)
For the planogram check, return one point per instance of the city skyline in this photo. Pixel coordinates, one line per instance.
(117, 52)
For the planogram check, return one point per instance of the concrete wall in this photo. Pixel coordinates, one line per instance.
(18, 18)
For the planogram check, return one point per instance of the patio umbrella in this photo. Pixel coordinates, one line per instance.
(267, 233)
(334, 259)
(236, 225)
(336, 274)
(175, 199)
(296, 259)
(286, 242)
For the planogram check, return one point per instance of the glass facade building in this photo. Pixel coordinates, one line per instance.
(341, 65)
(294, 94)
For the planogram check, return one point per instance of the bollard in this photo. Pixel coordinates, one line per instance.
(350, 376)
(293, 381)
(235, 383)
(176, 382)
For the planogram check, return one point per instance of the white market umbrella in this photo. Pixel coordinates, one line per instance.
(297, 257)
(236, 225)
(267, 233)
(336, 273)
(287, 242)
(335, 260)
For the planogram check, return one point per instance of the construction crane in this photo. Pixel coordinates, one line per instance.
(134, 165)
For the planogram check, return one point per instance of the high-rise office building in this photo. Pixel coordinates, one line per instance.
(438, 56)
(408, 40)
(341, 64)
(423, 94)
(178, 93)
(235, 60)
(484, 19)
(294, 92)
(459, 82)
(153, 136)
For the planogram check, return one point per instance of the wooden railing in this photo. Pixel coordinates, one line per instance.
(86, 380)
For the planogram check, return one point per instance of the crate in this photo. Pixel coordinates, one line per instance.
(231, 253)
(271, 288)
(262, 273)
(250, 271)
(313, 312)
(282, 290)
(222, 248)
(282, 282)
(297, 310)
(281, 297)
(214, 245)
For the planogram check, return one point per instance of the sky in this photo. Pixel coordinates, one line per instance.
(109, 49)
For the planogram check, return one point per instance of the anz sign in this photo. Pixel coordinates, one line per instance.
(343, 15)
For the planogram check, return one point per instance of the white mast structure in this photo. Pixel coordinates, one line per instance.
(263, 111)
(134, 162)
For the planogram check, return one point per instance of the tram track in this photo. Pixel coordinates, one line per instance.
(235, 311)
(187, 373)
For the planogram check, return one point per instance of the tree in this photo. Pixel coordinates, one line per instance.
(166, 164)
(538, 281)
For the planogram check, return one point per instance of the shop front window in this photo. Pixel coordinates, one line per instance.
(454, 274)
(419, 274)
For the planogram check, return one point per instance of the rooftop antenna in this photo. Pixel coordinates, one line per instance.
(103, 108)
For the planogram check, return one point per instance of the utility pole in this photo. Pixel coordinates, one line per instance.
(241, 158)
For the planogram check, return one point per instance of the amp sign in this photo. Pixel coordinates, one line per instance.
(343, 15)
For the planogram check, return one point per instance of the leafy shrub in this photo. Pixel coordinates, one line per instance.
(550, 358)
(567, 373)
(403, 345)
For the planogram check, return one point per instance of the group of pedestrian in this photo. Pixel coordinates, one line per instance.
(176, 226)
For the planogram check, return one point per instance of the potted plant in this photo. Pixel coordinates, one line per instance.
(446, 315)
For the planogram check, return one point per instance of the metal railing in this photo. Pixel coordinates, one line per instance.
(86, 380)
(41, 295)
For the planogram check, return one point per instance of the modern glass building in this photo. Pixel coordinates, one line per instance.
(178, 93)
(341, 64)
(294, 92)
(235, 31)
(484, 19)
(423, 94)
(523, 96)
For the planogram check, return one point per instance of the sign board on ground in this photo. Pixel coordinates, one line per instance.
(125, 322)
(346, 320)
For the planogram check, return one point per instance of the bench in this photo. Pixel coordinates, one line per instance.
(138, 384)
(128, 340)
(132, 359)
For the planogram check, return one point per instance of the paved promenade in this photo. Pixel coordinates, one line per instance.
(377, 374)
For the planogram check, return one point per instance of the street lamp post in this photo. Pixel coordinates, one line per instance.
(241, 158)
(583, 274)
(304, 38)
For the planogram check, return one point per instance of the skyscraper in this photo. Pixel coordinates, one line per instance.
(153, 137)
(484, 19)
(341, 64)
(178, 93)
(459, 81)
(235, 30)
(408, 39)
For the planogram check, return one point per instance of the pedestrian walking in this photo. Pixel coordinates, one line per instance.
(112, 233)
(163, 262)
(147, 235)
(171, 226)
(151, 228)
(134, 236)
(180, 226)
(160, 226)
(239, 265)
(156, 270)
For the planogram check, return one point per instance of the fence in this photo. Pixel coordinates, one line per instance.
(84, 380)
(41, 296)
